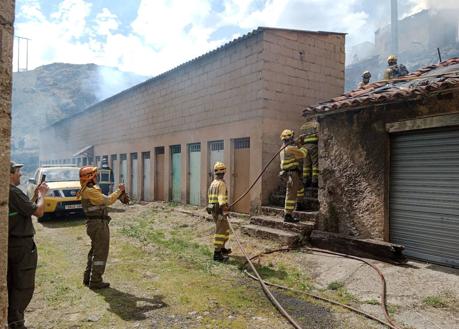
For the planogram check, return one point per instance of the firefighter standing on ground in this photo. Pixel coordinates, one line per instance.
(218, 207)
(95, 204)
(22, 251)
(290, 158)
(311, 161)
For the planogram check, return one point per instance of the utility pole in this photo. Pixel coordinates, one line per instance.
(394, 27)
(18, 38)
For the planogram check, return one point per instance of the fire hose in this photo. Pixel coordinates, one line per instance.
(264, 284)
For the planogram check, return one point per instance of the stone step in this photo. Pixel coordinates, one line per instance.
(310, 216)
(273, 234)
(304, 228)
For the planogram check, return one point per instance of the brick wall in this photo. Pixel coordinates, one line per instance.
(299, 69)
(253, 87)
(206, 92)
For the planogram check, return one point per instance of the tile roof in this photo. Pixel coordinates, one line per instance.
(416, 85)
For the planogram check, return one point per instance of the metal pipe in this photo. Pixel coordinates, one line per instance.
(394, 27)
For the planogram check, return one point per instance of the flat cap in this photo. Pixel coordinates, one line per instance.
(14, 165)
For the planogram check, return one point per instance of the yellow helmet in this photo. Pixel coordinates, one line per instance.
(287, 134)
(219, 168)
(87, 174)
(392, 59)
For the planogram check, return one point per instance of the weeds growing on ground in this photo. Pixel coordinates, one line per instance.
(443, 300)
(335, 285)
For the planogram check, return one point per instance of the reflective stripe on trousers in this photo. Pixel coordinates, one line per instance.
(291, 194)
(222, 231)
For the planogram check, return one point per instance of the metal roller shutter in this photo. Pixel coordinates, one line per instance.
(424, 194)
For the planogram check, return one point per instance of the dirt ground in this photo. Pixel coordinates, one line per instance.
(162, 276)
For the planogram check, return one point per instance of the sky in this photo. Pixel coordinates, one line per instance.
(149, 37)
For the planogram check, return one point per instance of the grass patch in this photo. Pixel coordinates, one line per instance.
(372, 302)
(335, 285)
(392, 309)
(337, 291)
(286, 276)
(174, 241)
(444, 300)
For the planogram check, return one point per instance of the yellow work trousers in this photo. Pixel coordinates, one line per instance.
(311, 163)
(291, 194)
(222, 230)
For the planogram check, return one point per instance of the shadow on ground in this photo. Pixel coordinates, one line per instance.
(128, 306)
(307, 315)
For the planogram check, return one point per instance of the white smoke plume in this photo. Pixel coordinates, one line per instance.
(418, 5)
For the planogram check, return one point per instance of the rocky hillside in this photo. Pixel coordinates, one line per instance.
(52, 92)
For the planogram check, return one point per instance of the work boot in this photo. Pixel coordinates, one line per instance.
(17, 325)
(98, 285)
(288, 218)
(219, 256)
(226, 251)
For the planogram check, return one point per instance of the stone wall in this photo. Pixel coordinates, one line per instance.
(353, 150)
(6, 53)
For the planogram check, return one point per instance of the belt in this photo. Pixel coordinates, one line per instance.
(98, 218)
(20, 237)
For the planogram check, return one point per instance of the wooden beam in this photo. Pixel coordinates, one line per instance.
(368, 248)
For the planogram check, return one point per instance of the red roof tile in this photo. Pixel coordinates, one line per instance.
(416, 85)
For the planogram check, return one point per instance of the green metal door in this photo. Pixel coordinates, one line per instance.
(176, 158)
(194, 153)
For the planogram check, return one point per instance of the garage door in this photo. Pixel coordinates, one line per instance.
(424, 194)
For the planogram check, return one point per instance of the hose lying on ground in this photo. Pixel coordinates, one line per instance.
(263, 284)
(389, 322)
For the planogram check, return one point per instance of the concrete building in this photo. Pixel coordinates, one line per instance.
(389, 159)
(163, 136)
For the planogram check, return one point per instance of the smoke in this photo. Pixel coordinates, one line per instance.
(418, 5)
(113, 81)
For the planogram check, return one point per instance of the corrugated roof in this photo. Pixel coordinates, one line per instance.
(416, 85)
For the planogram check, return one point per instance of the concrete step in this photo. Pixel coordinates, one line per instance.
(308, 216)
(304, 228)
(273, 234)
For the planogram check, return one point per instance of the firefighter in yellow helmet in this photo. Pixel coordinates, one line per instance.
(290, 159)
(311, 161)
(394, 70)
(95, 204)
(218, 208)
